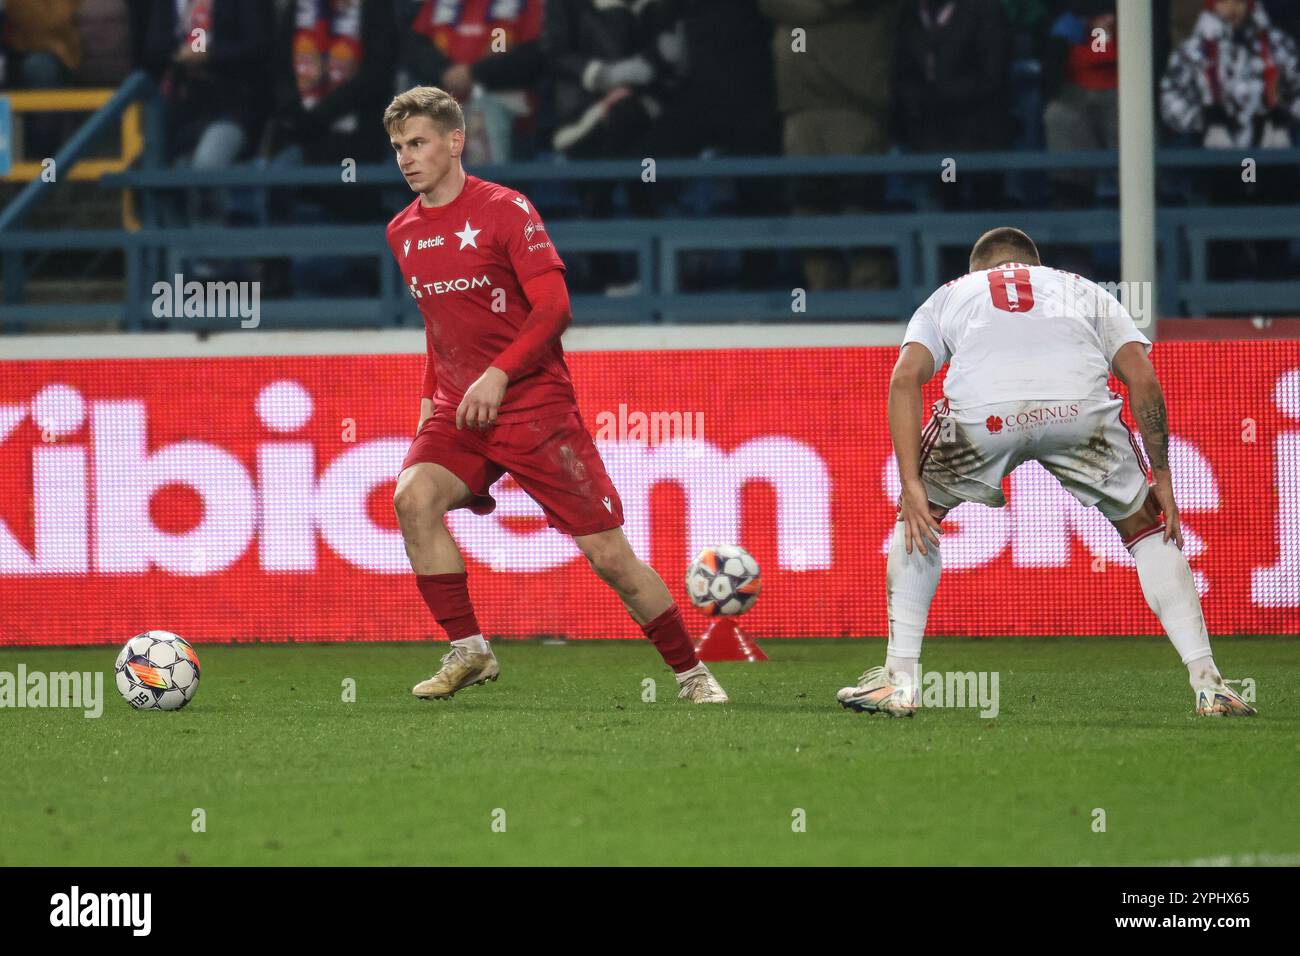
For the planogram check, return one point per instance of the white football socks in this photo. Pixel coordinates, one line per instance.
(475, 644)
(690, 672)
(1165, 576)
(911, 580)
(1167, 584)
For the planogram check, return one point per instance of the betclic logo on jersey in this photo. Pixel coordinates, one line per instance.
(432, 242)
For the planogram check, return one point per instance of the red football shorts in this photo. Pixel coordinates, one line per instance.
(554, 460)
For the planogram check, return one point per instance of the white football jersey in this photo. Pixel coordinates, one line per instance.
(1023, 333)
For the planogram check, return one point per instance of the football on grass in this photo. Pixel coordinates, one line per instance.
(723, 580)
(158, 670)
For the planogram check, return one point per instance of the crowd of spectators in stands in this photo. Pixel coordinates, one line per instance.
(304, 81)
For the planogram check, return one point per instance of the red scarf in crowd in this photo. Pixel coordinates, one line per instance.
(193, 15)
(326, 46)
(462, 29)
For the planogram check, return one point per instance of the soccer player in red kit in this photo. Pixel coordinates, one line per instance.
(497, 396)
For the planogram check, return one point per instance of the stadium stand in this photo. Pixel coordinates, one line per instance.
(774, 171)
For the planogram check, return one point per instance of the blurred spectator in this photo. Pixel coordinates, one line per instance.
(950, 76)
(1081, 66)
(487, 54)
(332, 70)
(211, 61)
(726, 101)
(832, 93)
(1182, 19)
(1027, 18)
(44, 51)
(1183, 14)
(105, 48)
(726, 105)
(1235, 81)
(615, 63)
(1028, 21)
(210, 58)
(43, 42)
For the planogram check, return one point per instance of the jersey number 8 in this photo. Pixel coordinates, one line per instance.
(1011, 290)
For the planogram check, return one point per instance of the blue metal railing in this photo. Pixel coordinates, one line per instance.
(137, 86)
(914, 239)
(629, 170)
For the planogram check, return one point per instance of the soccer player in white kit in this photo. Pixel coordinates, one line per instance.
(1031, 349)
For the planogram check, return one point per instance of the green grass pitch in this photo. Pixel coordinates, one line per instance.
(587, 772)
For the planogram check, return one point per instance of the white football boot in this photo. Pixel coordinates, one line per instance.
(461, 668)
(699, 686)
(1221, 701)
(875, 693)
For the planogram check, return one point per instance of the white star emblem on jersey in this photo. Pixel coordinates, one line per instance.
(467, 235)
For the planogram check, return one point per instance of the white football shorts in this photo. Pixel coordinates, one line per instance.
(1085, 444)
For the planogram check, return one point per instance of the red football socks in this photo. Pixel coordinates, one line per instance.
(448, 598)
(668, 634)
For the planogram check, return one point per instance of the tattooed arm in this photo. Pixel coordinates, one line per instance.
(1149, 408)
(1134, 369)
(915, 367)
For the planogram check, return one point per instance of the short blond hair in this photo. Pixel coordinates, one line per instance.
(437, 104)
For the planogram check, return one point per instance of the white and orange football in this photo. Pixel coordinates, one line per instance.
(724, 580)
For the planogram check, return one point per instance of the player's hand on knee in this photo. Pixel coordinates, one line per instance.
(1174, 529)
(482, 400)
(919, 524)
(1164, 493)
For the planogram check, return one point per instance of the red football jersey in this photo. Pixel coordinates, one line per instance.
(465, 265)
